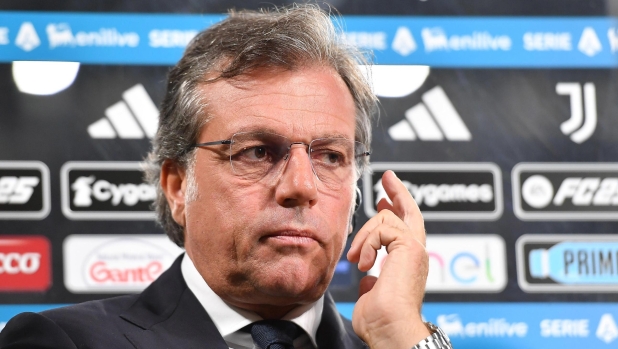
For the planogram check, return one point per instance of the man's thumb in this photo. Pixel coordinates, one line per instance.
(366, 284)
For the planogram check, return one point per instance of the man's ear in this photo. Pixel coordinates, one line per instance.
(358, 200)
(173, 184)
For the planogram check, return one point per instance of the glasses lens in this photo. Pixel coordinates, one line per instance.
(334, 160)
(254, 155)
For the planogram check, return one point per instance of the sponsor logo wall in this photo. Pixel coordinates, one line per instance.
(115, 263)
(568, 263)
(506, 140)
(438, 41)
(522, 325)
(24, 190)
(25, 263)
(461, 263)
(106, 190)
(565, 191)
(443, 191)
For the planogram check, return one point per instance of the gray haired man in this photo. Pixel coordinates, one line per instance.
(263, 134)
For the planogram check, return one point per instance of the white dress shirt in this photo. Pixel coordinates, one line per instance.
(229, 319)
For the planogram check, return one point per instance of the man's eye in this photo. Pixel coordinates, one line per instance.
(255, 153)
(328, 157)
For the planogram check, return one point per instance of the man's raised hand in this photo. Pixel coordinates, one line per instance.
(387, 314)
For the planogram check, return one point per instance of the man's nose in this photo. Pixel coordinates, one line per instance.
(297, 185)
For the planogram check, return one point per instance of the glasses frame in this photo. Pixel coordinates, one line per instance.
(289, 147)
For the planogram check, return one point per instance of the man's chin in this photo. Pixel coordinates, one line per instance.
(293, 286)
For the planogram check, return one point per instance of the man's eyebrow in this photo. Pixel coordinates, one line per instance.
(257, 128)
(266, 129)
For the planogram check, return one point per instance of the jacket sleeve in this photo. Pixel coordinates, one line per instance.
(34, 331)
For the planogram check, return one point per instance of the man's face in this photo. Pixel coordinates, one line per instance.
(275, 241)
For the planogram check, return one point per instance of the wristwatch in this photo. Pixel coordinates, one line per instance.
(437, 340)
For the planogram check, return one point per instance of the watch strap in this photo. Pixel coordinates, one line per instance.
(436, 340)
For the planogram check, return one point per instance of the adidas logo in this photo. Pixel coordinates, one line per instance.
(135, 117)
(432, 120)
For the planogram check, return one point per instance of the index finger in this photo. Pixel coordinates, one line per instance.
(404, 205)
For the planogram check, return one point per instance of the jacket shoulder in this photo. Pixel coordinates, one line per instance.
(32, 330)
(90, 324)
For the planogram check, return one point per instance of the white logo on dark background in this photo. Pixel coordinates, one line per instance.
(537, 191)
(433, 194)
(17, 190)
(583, 120)
(27, 39)
(589, 43)
(135, 117)
(87, 188)
(105, 190)
(433, 120)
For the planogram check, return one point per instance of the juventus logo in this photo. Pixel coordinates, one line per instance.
(583, 120)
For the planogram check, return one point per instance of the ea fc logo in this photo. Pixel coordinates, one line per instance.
(537, 191)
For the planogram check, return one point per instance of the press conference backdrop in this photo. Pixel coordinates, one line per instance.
(502, 127)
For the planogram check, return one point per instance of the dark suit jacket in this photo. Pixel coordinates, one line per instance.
(165, 315)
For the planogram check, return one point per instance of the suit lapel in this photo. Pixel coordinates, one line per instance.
(167, 315)
(334, 332)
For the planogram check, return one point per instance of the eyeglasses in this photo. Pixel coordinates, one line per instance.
(256, 155)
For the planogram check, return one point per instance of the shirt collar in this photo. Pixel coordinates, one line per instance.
(229, 319)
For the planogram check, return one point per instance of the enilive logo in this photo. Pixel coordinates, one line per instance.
(466, 263)
(60, 35)
(443, 191)
(24, 190)
(115, 263)
(105, 190)
(583, 120)
(436, 39)
(134, 118)
(565, 191)
(453, 326)
(443, 120)
(589, 43)
(25, 263)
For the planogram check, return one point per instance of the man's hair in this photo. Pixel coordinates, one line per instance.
(283, 38)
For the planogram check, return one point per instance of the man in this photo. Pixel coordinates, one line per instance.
(263, 133)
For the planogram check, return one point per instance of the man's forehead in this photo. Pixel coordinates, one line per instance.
(313, 102)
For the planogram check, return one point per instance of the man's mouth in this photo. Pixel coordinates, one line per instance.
(291, 237)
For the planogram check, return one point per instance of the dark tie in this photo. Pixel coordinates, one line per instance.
(274, 334)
